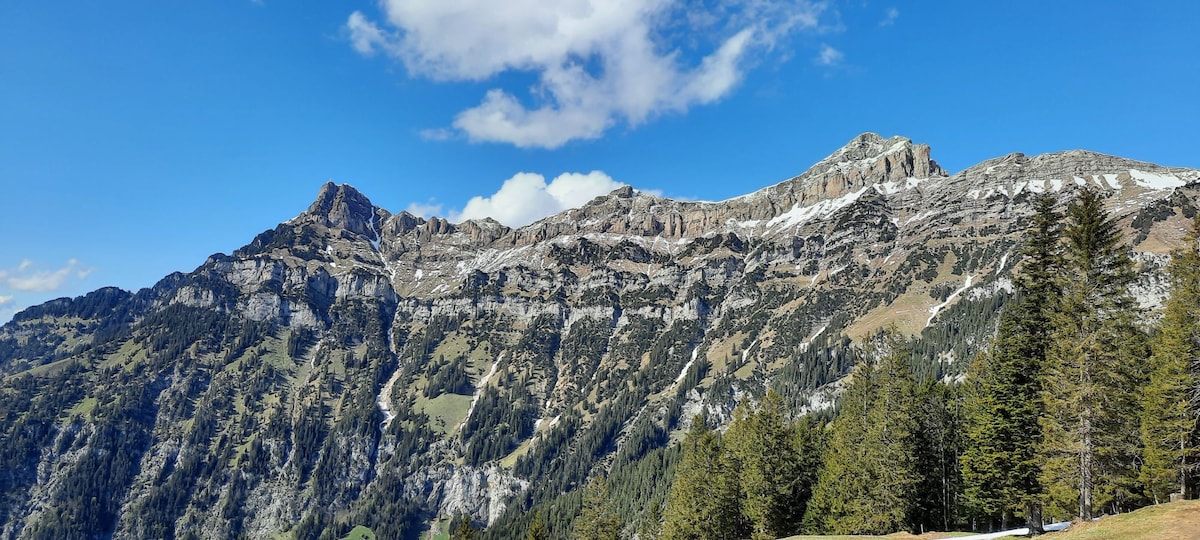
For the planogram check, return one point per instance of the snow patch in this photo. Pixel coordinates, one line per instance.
(683, 372)
(808, 342)
(1023, 531)
(1154, 181)
(823, 210)
(384, 398)
(893, 187)
(479, 386)
(933, 311)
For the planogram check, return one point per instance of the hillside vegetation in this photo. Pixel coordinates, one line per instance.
(357, 368)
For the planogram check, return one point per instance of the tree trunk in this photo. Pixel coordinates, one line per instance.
(1033, 517)
(1183, 464)
(1086, 460)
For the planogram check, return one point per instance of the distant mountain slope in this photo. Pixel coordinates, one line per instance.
(354, 366)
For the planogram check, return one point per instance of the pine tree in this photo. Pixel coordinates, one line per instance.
(834, 507)
(939, 449)
(1001, 465)
(892, 427)
(1169, 409)
(868, 480)
(701, 503)
(597, 521)
(463, 529)
(1089, 429)
(537, 528)
(767, 470)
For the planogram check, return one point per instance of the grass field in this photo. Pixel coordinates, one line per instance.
(1173, 521)
(360, 533)
(893, 536)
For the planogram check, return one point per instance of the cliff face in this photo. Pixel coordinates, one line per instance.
(363, 367)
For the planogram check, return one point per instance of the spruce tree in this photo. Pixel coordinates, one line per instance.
(1169, 409)
(1090, 427)
(768, 467)
(597, 521)
(1001, 465)
(939, 450)
(701, 503)
(868, 480)
(537, 528)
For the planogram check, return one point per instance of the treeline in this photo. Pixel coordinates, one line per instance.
(1079, 407)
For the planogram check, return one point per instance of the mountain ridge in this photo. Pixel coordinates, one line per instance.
(352, 364)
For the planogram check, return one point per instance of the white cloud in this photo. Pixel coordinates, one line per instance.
(43, 280)
(364, 35)
(5, 299)
(597, 62)
(437, 134)
(424, 210)
(829, 56)
(526, 197)
(890, 16)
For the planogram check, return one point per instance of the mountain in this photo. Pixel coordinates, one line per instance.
(353, 366)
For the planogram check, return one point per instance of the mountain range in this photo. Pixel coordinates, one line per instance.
(353, 366)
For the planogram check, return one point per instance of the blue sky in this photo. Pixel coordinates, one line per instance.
(137, 138)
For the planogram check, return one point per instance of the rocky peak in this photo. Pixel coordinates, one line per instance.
(869, 158)
(343, 207)
(623, 192)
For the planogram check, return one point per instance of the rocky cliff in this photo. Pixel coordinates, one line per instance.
(354, 366)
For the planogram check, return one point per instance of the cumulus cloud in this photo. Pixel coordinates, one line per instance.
(526, 197)
(890, 16)
(5, 299)
(829, 56)
(597, 62)
(42, 280)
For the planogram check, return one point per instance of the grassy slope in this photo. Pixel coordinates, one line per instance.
(1174, 521)
(360, 533)
(893, 536)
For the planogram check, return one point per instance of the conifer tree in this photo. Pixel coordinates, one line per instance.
(1001, 465)
(868, 480)
(1089, 429)
(597, 521)
(537, 528)
(1169, 409)
(767, 472)
(463, 529)
(701, 503)
(834, 507)
(939, 419)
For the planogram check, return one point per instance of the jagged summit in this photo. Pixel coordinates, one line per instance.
(342, 206)
(867, 146)
(894, 158)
